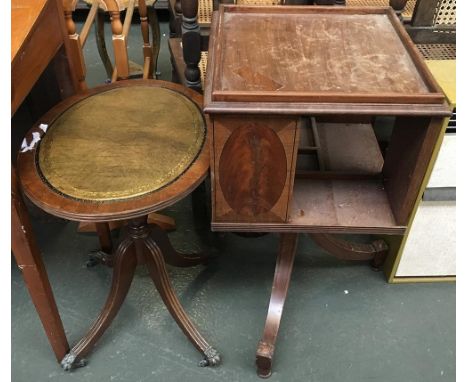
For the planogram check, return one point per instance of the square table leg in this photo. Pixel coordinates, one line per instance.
(29, 260)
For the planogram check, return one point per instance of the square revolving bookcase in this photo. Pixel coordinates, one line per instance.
(285, 82)
(323, 120)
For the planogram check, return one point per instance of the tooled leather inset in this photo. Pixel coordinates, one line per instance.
(122, 143)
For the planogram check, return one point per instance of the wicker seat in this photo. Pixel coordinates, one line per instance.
(406, 14)
(438, 51)
(205, 8)
(445, 13)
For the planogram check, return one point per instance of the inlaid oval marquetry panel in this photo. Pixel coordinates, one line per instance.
(252, 170)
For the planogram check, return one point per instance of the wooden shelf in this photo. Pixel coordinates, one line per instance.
(343, 147)
(333, 206)
(337, 205)
(349, 192)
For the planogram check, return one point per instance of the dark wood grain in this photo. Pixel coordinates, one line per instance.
(51, 201)
(423, 28)
(252, 190)
(262, 191)
(101, 42)
(440, 35)
(332, 206)
(191, 42)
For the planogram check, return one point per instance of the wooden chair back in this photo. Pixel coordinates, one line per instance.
(434, 21)
(78, 40)
(119, 36)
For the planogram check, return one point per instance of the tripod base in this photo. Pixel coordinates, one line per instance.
(152, 250)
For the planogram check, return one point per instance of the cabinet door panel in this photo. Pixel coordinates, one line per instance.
(254, 159)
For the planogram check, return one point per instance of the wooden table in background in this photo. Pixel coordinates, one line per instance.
(39, 43)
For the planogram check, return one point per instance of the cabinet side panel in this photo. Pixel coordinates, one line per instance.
(411, 147)
(253, 159)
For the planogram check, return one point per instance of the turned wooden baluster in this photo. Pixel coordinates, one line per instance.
(119, 38)
(175, 21)
(76, 41)
(155, 37)
(191, 43)
(75, 47)
(148, 67)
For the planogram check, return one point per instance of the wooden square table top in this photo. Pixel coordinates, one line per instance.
(305, 55)
(90, 153)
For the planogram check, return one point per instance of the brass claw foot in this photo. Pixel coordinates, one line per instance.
(212, 358)
(69, 362)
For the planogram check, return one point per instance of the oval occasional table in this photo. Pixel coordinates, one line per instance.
(106, 155)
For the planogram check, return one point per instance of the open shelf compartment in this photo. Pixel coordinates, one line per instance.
(346, 189)
(353, 190)
(353, 187)
(359, 206)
